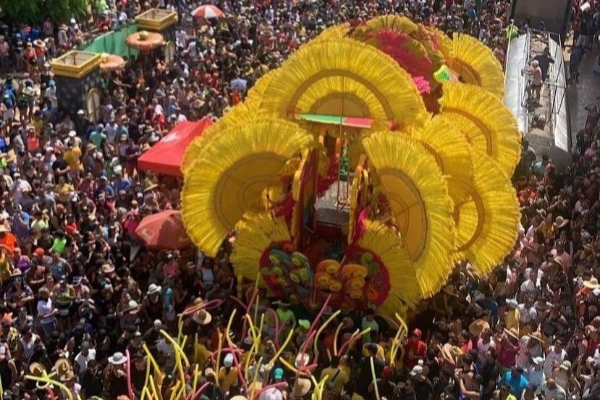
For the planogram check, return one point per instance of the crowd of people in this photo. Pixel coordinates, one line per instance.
(79, 290)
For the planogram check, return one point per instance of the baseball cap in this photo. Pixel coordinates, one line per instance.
(228, 362)
(417, 370)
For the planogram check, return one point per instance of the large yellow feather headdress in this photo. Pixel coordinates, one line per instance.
(487, 224)
(489, 126)
(347, 78)
(418, 196)
(231, 175)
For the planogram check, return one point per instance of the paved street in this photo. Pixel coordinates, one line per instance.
(584, 92)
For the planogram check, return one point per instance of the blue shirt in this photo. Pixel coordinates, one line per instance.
(22, 229)
(517, 384)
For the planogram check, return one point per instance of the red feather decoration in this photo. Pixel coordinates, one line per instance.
(395, 45)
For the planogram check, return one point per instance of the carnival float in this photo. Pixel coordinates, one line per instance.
(362, 170)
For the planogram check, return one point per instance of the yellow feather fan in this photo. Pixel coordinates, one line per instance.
(229, 178)
(344, 77)
(386, 244)
(490, 127)
(476, 64)
(487, 224)
(255, 233)
(441, 42)
(395, 23)
(334, 32)
(418, 196)
(256, 92)
(241, 114)
(452, 152)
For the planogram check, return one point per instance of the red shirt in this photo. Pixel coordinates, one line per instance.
(9, 240)
(419, 350)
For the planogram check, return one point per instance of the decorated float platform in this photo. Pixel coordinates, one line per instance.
(361, 171)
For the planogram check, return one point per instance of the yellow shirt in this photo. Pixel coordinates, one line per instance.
(340, 379)
(511, 319)
(64, 191)
(73, 158)
(201, 354)
(227, 379)
(380, 352)
(38, 124)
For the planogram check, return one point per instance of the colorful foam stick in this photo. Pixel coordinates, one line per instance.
(356, 335)
(128, 370)
(46, 379)
(235, 359)
(331, 318)
(374, 379)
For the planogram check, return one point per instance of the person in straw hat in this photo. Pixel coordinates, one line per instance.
(115, 377)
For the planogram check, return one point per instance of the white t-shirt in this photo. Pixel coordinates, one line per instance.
(83, 360)
(482, 349)
(45, 307)
(557, 393)
(553, 358)
(528, 315)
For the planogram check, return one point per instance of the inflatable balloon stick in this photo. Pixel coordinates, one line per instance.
(128, 366)
(401, 320)
(49, 381)
(356, 335)
(150, 360)
(235, 358)
(193, 396)
(374, 379)
(335, 339)
(331, 318)
(155, 393)
(219, 347)
(402, 331)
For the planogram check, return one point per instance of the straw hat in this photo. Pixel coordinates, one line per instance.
(202, 317)
(107, 269)
(477, 326)
(62, 365)
(301, 388)
(537, 336)
(67, 376)
(150, 187)
(90, 147)
(592, 283)
(37, 369)
(560, 222)
(11, 156)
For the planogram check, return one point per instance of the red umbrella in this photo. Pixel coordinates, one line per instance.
(173, 144)
(164, 230)
(207, 11)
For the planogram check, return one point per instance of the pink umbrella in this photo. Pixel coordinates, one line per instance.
(207, 11)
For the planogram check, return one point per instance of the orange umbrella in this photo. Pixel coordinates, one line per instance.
(111, 62)
(145, 41)
(164, 231)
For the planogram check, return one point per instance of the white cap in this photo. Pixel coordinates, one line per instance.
(228, 362)
(72, 133)
(417, 370)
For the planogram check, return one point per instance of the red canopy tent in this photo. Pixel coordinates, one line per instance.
(166, 156)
